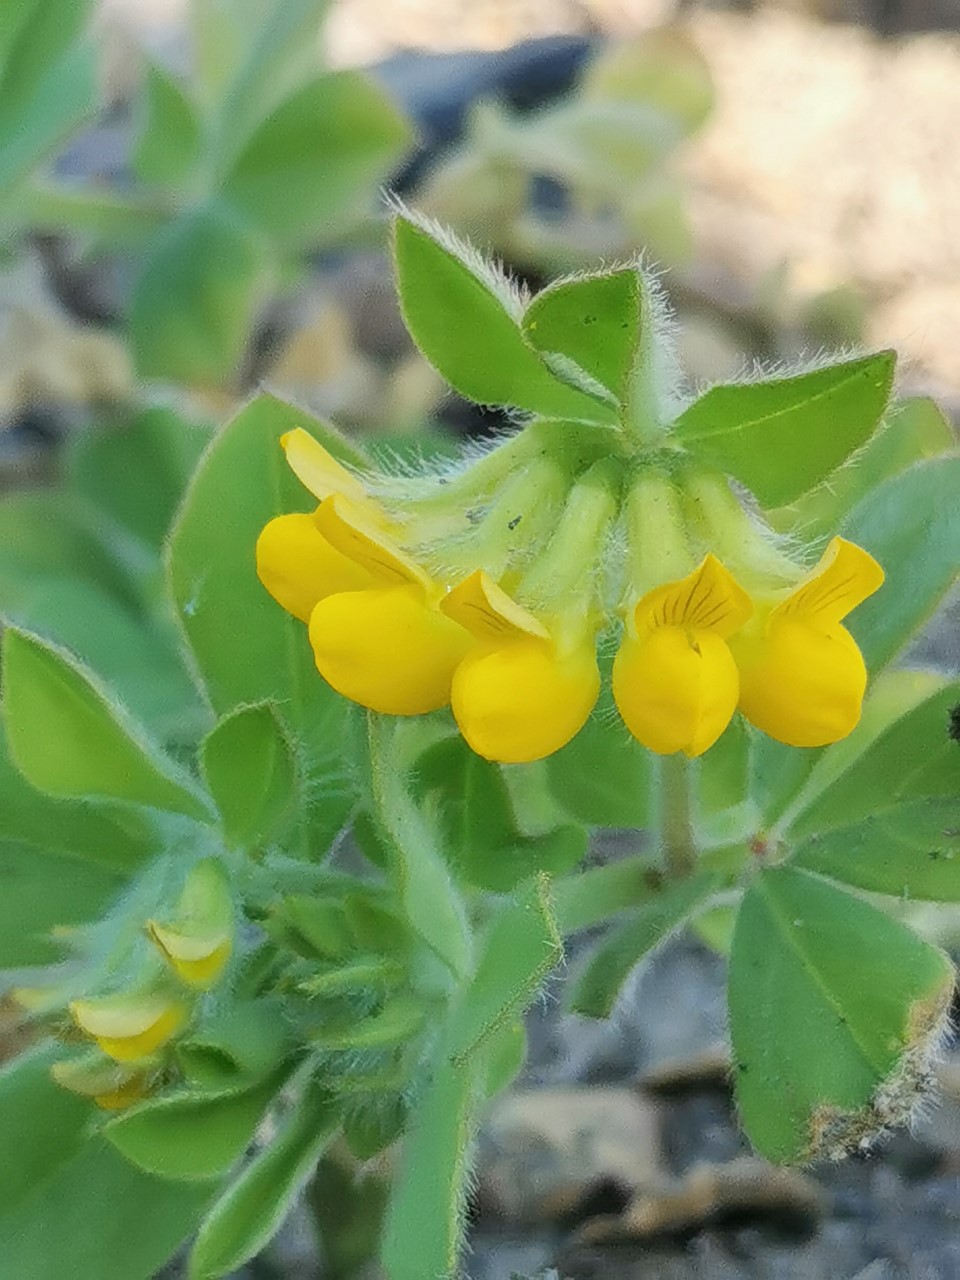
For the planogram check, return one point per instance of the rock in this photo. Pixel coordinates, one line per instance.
(544, 1153)
(745, 1187)
(710, 1068)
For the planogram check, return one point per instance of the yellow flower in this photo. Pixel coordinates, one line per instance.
(129, 1027)
(802, 677)
(199, 961)
(386, 646)
(522, 692)
(110, 1085)
(299, 567)
(197, 944)
(674, 678)
(295, 563)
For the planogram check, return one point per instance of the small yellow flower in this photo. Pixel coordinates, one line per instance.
(522, 692)
(387, 646)
(199, 961)
(111, 1085)
(198, 942)
(674, 678)
(128, 1028)
(295, 563)
(299, 567)
(802, 677)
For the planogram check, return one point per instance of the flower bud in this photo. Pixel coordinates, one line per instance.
(197, 944)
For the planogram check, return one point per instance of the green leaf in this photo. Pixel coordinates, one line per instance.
(327, 148)
(785, 780)
(482, 842)
(396, 1023)
(915, 429)
(603, 777)
(188, 1135)
(723, 780)
(136, 473)
(48, 81)
(425, 1217)
(320, 925)
(252, 54)
(47, 535)
(596, 990)
(254, 1206)
(43, 890)
(466, 321)
(241, 1044)
(715, 927)
(506, 1053)
(36, 35)
(194, 305)
(375, 1125)
(129, 654)
(594, 895)
(89, 833)
(911, 524)
(593, 321)
(911, 850)
(834, 1011)
(360, 976)
(522, 946)
(168, 142)
(249, 767)
(783, 437)
(66, 1201)
(61, 862)
(68, 739)
(912, 758)
(375, 927)
(418, 867)
(245, 647)
(44, 1124)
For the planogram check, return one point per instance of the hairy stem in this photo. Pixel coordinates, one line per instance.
(677, 840)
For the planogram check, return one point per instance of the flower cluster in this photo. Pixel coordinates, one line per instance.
(489, 590)
(132, 1029)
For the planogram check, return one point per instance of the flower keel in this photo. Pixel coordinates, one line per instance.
(674, 679)
(802, 676)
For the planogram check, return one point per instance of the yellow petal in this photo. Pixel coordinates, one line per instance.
(801, 684)
(353, 532)
(676, 688)
(316, 468)
(129, 1027)
(387, 649)
(708, 600)
(298, 566)
(520, 701)
(844, 578)
(198, 960)
(109, 1084)
(486, 610)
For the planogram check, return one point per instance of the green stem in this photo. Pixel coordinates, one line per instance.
(677, 840)
(418, 869)
(642, 421)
